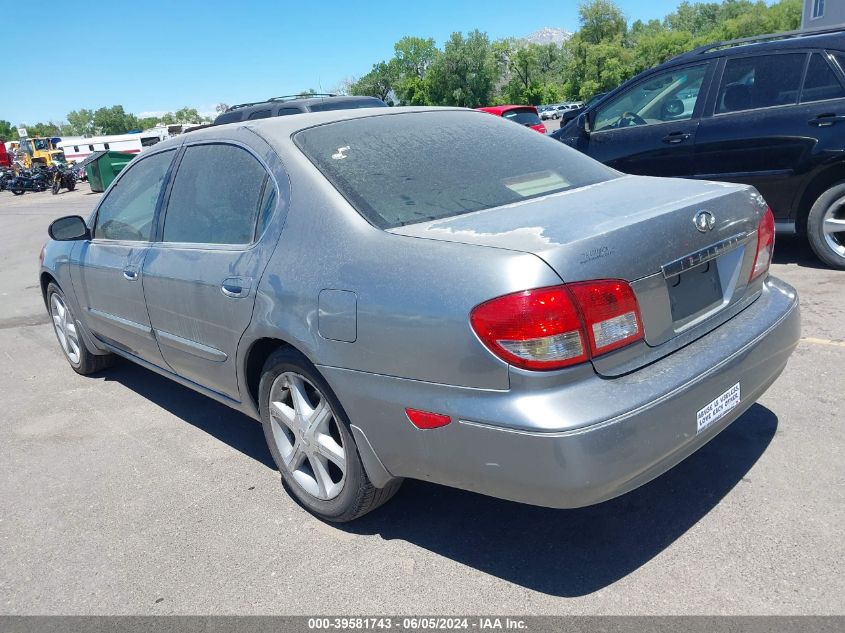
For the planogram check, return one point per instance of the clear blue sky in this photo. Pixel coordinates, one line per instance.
(157, 56)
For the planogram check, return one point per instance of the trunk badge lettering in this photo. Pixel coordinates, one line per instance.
(704, 221)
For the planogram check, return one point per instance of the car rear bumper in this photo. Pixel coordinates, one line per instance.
(585, 441)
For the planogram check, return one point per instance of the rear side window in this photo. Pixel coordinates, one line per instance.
(749, 83)
(523, 116)
(128, 210)
(347, 104)
(821, 82)
(215, 196)
(288, 111)
(259, 114)
(405, 168)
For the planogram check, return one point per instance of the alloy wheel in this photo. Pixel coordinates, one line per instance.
(833, 227)
(65, 328)
(306, 433)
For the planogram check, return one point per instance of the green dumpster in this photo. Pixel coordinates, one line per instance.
(102, 167)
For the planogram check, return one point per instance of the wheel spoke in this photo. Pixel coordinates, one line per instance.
(317, 422)
(296, 457)
(321, 474)
(283, 413)
(833, 225)
(299, 398)
(58, 321)
(331, 450)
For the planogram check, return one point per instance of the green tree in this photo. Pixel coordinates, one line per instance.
(411, 60)
(379, 82)
(147, 122)
(114, 120)
(7, 131)
(465, 73)
(601, 20)
(80, 122)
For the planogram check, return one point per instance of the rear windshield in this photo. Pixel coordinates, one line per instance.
(348, 104)
(524, 117)
(406, 168)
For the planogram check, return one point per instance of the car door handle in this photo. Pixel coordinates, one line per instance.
(676, 137)
(826, 120)
(130, 274)
(235, 287)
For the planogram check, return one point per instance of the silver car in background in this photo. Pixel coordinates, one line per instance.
(430, 293)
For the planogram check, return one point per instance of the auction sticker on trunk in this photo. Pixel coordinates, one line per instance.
(717, 409)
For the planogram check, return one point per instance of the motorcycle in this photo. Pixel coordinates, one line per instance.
(29, 180)
(63, 177)
(6, 176)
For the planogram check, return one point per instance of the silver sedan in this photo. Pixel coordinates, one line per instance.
(430, 293)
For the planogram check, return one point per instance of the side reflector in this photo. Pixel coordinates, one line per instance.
(426, 419)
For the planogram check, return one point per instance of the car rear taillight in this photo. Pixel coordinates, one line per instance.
(765, 245)
(558, 326)
(611, 314)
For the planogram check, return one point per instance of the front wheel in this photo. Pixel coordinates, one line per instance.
(826, 227)
(56, 186)
(67, 331)
(309, 437)
(18, 192)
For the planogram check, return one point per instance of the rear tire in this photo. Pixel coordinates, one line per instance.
(18, 192)
(308, 434)
(826, 227)
(67, 332)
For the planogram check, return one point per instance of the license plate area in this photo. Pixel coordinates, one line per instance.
(695, 291)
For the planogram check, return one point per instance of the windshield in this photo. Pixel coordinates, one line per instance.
(41, 144)
(407, 168)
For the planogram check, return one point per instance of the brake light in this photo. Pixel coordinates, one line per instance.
(611, 314)
(558, 326)
(765, 245)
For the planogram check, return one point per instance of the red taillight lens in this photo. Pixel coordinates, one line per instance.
(765, 245)
(426, 419)
(611, 314)
(558, 326)
(533, 329)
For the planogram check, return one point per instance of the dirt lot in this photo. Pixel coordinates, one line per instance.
(127, 494)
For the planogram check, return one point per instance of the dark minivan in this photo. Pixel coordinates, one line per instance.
(766, 111)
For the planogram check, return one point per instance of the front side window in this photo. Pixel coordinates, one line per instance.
(821, 82)
(215, 197)
(750, 83)
(128, 210)
(668, 96)
(402, 169)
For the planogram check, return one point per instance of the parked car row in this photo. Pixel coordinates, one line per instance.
(557, 111)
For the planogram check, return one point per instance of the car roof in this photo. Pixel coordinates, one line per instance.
(298, 102)
(790, 40)
(280, 129)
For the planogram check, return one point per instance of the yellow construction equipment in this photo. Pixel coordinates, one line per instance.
(34, 151)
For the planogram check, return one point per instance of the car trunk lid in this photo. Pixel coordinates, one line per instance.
(685, 246)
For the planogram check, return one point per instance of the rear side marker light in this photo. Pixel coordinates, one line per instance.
(558, 326)
(765, 245)
(426, 419)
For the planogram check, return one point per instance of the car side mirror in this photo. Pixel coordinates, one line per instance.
(584, 125)
(69, 228)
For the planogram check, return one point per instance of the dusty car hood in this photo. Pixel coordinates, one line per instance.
(624, 228)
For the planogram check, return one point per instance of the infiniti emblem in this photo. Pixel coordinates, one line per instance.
(704, 221)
